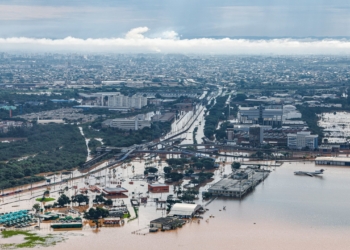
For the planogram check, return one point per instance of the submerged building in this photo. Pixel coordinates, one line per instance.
(335, 161)
(183, 210)
(238, 183)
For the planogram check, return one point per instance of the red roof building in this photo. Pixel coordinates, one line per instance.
(158, 188)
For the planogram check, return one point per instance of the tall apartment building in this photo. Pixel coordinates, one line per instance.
(301, 140)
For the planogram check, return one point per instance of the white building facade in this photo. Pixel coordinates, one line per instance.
(302, 140)
(136, 123)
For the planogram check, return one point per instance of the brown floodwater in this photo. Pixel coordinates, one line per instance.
(284, 212)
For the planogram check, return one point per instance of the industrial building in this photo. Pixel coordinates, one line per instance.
(268, 116)
(258, 112)
(302, 140)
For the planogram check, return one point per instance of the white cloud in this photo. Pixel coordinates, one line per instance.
(168, 42)
(136, 33)
(170, 35)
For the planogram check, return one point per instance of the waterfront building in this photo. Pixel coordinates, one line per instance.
(160, 222)
(183, 210)
(336, 161)
(302, 140)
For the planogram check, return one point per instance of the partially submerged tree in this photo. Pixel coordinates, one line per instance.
(80, 199)
(96, 214)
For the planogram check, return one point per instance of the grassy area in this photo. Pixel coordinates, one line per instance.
(45, 199)
(125, 216)
(136, 209)
(30, 240)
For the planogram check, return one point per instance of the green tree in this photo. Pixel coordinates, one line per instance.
(152, 170)
(63, 200)
(80, 199)
(167, 170)
(36, 207)
(235, 165)
(95, 214)
(108, 202)
(99, 199)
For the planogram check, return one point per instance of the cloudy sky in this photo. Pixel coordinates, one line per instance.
(168, 23)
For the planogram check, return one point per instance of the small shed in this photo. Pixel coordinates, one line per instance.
(158, 188)
(110, 191)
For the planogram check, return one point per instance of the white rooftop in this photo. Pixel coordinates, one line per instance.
(184, 209)
(342, 159)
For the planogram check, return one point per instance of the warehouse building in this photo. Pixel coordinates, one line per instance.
(183, 210)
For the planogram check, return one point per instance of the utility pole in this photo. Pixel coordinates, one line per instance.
(240, 188)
